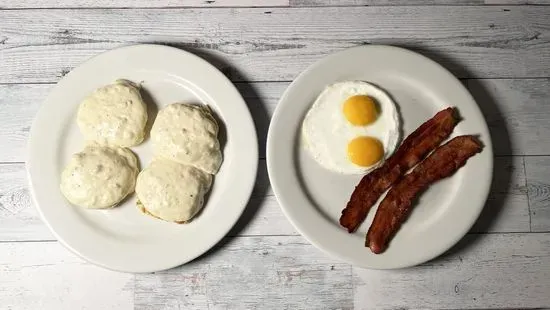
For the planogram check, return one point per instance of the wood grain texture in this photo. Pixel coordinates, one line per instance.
(253, 44)
(507, 199)
(138, 3)
(262, 98)
(19, 220)
(517, 112)
(505, 211)
(251, 273)
(413, 2)
(538, 174)
(44, 275)
(507, 271)
(264, 217)
(518, 2)
(285, 272)
(18, 107)
(30, 4)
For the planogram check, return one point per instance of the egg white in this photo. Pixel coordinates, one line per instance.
(326, 131)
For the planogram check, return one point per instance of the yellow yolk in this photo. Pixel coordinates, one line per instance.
(360, 110)
(365, 151)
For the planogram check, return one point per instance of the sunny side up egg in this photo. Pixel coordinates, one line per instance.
(352, 127)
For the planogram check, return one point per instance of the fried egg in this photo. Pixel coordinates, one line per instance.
(114, 114)
(352, 127)
(99, 177)
(187, 134)
(172, 191)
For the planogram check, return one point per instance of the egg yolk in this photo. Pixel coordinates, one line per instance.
(365, 151)
(360, 110)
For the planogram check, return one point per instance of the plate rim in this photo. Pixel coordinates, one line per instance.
(301, 227)
(247, 188)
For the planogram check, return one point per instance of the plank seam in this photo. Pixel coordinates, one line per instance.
(28, 241)
(261, 7)
(6, 163)
(290, 81)
(352, 284)
(158, 7)
(528, 196)
(240, 81)
(287, 235)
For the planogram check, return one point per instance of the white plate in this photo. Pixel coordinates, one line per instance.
(312, 198)
(122, 238)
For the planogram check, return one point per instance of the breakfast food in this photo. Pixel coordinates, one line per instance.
(99, 177)
(172, 191)
(114, 114)
(187, 134)
(173, 186)
(415, 147)
(187, 150)
(397, 204)
(351, 127)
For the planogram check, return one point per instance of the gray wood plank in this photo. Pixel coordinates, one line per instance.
(280, 272)
(19, 220)
(517, 112)
(413, 2)
(18, 106)
(382, 2)
(26, 4)
(259, 45)
(520, 2)
(506, 209)
(507, 199)
(262, 217)
(20, 4)
(262, 98)
(509, 271)
(44, 275)
(538, 184)
(251, 273)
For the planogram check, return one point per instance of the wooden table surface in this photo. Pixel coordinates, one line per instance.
(499, 48)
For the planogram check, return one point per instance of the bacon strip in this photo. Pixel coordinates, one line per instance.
(397, 204)
(415, 147)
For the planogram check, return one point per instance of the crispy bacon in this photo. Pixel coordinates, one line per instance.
(397, 204)
(415, 147)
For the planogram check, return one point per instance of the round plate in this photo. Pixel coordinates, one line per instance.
(312, 198)
(123, 238)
